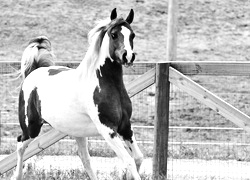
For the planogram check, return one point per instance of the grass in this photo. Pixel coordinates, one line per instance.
(73, 174)
(32, 173)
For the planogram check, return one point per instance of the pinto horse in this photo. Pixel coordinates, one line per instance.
(90, 100)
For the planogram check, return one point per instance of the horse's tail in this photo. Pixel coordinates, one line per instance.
(37, 54)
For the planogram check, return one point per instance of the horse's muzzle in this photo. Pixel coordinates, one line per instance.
(125, 60)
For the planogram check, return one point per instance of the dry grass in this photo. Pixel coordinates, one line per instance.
(208, 29)
(73, 174)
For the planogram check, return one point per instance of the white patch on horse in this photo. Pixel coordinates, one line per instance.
(134, 151)
(104, 52)
(126, 33)
(94, 60)
(56, 108)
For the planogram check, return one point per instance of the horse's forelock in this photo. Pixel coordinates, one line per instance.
(94, 32)
(97, 34)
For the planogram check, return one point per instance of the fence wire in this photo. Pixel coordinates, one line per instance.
(202, 144)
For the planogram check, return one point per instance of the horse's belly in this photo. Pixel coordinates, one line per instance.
(73, 124)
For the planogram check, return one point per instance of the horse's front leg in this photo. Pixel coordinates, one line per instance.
(134, 151)
(131, 146)
(116, 144)
(83, 153)
(111, 137)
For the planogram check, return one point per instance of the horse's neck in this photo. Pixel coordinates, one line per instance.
(87, 68)
(111, 72)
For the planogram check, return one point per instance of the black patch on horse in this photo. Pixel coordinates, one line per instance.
(112, 100)
(34, 114)
(21, 117)
(35, 121)
(53, 72)
(112, 135)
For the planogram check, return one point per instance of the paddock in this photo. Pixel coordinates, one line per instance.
(190, 117)
(202, 143)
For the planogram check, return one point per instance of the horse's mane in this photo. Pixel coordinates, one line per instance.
(96, 35)
(94, 57)
(99, 26)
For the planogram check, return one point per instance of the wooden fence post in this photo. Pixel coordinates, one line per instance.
(161, 126)
(172, 30)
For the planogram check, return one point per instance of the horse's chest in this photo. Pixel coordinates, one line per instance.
(114, 105)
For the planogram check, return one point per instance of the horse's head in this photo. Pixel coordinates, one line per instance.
(113, 38)
(121, 38)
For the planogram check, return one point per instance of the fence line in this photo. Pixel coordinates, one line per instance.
(152, 127)
(152, 142)
(213, 68)
(198, 68)
(140, 68)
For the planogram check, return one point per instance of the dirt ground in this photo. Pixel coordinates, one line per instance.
(177, 169)
(214, 30)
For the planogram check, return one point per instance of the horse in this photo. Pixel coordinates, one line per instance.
(90, 100)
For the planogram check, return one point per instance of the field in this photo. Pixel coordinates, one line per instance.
(208, 30)
(211, 30)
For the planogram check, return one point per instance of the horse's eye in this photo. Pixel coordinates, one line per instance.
(114, 35)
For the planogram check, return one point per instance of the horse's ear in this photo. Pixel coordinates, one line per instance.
(130, 17)
(113, 14)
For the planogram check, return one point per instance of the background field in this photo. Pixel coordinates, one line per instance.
(208, 30)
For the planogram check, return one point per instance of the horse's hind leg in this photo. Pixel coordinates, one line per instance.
(83, 153)
(21, 146)
(30, 123)
(29, 133)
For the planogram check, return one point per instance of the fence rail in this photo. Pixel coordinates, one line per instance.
(178, 70)
(213, 68)
(52, 136)
(138, 68)
(152, 127)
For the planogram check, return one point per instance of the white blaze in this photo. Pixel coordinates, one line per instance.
(126, 33)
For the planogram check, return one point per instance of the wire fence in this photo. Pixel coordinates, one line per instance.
(202, 144)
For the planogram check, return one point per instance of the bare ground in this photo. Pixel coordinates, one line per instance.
(177, 169)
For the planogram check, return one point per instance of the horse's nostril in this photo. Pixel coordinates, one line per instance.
(124, 57)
